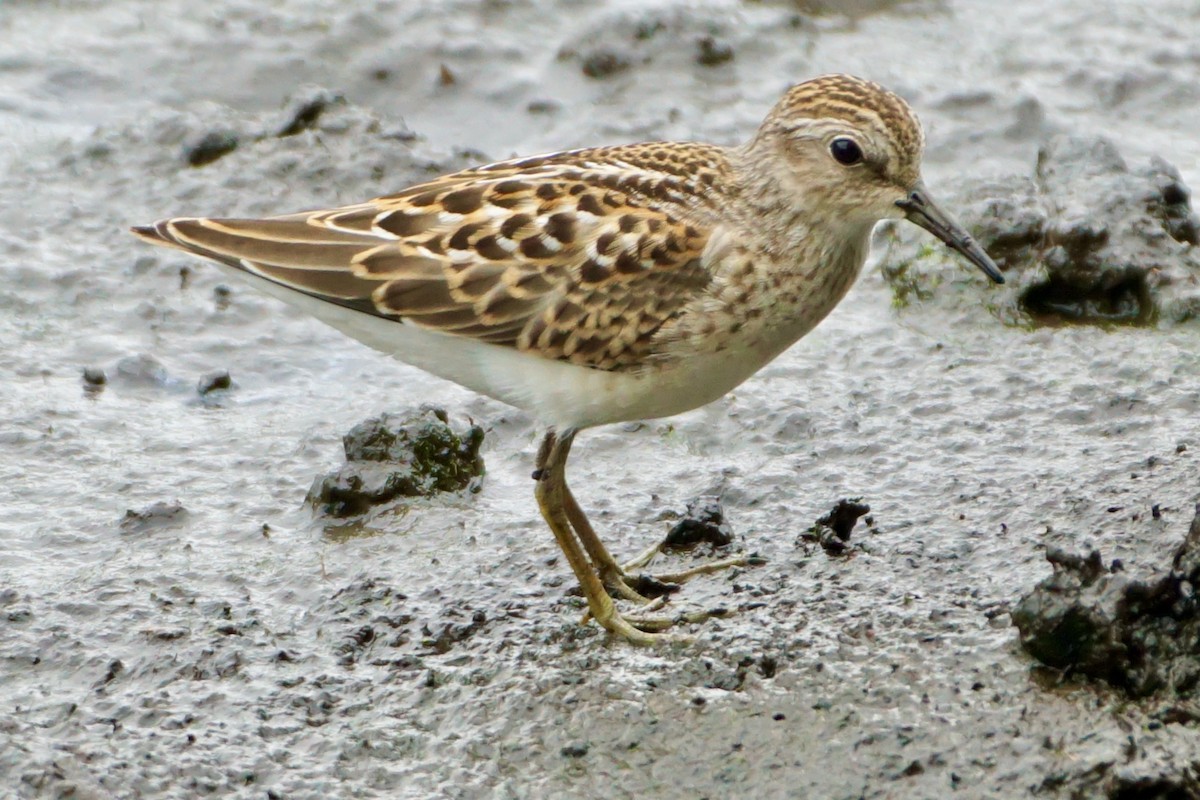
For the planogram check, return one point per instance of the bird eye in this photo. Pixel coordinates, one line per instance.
(846, 151)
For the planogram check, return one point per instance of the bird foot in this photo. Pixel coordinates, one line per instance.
(708, 568)
(641, 589)
(665, 583)
(625, 583)
(646, 627)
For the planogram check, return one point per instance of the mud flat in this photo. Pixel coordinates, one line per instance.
(176, 622)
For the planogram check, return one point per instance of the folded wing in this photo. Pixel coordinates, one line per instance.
(581, 256)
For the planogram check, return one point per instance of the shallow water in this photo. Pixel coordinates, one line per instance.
(236, 649)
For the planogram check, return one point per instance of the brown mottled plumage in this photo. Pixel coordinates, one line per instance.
(609, 283)
(580, 256)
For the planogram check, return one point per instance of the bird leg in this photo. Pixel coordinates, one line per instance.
(600, 576)
(611, 573)
(619, 578)
(552, 493)
(626, 579)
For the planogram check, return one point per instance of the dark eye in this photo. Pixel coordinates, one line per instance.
(846, 151)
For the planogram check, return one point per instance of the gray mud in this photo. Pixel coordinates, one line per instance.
(175, 623)
(1140, 635)
(1084, 239)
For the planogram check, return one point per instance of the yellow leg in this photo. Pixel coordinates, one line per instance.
(614, 575)
(595, 568)
(708, 568)
(551, 495)
(611, 573)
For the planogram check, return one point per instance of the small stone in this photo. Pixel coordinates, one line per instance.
(210, 147)
(713, 53)
(604, 63)
(94, 376)
(213, 382)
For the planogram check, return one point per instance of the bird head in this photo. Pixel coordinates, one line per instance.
(854, 149)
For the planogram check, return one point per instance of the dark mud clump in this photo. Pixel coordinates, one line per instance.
(712, 53)
(1107, 780)
(216, 381)
(210, 147)
(1139, 636)
(704, 521)
(1113, 237)
(394, 456)
(306, 111)
(702, 526)
(1086, 239)
(832, 531)
(94, 380)
(604, 63)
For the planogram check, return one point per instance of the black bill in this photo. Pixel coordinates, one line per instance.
(919, 209)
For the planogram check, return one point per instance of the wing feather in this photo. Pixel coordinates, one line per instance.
(581, 256)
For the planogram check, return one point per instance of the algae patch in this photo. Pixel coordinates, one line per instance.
(397, 456)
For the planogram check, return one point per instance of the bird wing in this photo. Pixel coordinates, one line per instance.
(580, 256)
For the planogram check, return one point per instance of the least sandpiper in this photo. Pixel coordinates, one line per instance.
(606, 284)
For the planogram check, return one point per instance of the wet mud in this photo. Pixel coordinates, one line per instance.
(1140, 635)
(832, 530)
(175, 621)
(703, 522)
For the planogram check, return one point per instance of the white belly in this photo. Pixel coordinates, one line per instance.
(555, 392)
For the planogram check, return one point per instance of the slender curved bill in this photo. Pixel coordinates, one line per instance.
(920, 210)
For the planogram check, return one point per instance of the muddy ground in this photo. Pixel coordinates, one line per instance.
(175, 622)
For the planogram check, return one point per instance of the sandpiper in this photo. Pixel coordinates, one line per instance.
(606, 284)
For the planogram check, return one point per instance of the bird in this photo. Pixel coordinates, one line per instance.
(606, 284)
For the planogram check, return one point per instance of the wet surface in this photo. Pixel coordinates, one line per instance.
(222, 642)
